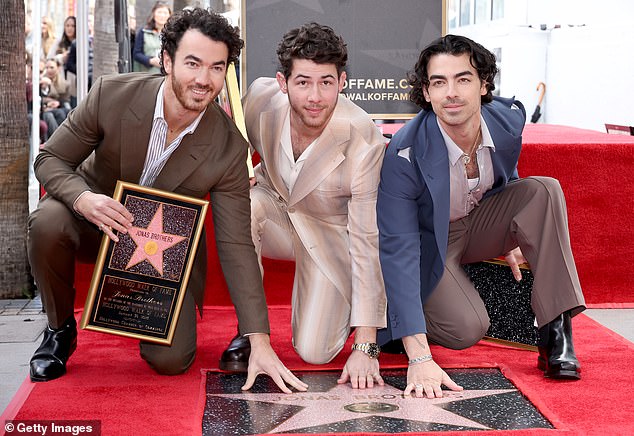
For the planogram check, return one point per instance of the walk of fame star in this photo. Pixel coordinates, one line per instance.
(151, 242)
(332, 408)
(489, 402)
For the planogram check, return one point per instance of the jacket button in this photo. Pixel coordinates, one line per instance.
(291, 210)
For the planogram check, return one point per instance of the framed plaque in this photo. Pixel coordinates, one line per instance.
(139, 283)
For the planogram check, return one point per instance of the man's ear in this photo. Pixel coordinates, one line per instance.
(342, 80)
(281, 80)
(426, 94)
(167, 62)
(483, 88)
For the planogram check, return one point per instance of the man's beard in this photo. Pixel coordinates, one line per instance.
(311, 122)
(186, 101)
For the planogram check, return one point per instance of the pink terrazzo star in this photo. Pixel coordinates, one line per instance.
(151, 242)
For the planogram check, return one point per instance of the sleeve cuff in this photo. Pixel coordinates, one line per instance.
(76, 200)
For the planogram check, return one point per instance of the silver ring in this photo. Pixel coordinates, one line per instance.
(418, 385)
(101, 227)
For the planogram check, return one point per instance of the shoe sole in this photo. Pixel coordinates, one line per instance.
(36, 379)
(561, 375)
(233, 366)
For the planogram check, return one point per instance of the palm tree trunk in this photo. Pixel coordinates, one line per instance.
(106, 48)
(14, 153)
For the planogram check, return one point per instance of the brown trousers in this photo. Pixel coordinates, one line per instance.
(529, 213)
(56, 239)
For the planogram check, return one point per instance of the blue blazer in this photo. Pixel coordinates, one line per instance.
(413, 207)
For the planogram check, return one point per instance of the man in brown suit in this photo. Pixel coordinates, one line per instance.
(160, 131)
(314, 202)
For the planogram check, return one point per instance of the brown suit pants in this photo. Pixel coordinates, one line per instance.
(56, 239)
(529, 213)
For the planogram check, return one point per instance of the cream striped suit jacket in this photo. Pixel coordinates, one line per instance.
(333, 204)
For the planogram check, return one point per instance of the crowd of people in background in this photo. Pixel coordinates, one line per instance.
(57, 67)
(57, 61)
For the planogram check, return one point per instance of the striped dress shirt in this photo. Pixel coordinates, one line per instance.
(158, 152)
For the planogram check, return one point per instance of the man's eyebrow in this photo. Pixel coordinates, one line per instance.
(303, 76)
(442, 77)
(200, 61)
(464, 73)
(193, 58)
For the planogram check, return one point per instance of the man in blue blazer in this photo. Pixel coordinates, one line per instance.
(449, 195)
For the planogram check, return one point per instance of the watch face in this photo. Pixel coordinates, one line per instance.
(369, 348)
(373, 350)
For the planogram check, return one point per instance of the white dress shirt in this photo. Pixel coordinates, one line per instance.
(158, 152)
(465, 194)
(289, 167)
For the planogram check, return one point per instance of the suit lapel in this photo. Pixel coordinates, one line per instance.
(271, 131)
(323, 159)
(190, 153)
(136, 125)
(434, 165)
(506, 152)
(325, 156)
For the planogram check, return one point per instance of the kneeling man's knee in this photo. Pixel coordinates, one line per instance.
(461, 334)
(311, 354)
(473, 332)
(165, 361)
(545, 185)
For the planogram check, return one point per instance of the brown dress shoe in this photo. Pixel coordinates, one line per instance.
(236, 357)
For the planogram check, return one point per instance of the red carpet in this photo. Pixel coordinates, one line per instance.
(108, 381)
(594, 170)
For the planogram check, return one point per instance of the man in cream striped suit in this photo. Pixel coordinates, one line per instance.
(314, 202)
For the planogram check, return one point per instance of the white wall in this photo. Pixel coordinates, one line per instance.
(591, 73)
(585, 56)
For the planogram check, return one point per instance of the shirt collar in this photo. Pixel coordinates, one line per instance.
(158, 108)
(287, 145)
(454, 152)
(159, 114)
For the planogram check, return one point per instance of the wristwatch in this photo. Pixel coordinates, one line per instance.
(370, 348)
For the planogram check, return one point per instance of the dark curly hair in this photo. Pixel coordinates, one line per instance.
(313, 42)
(208, 23)
(481, 59)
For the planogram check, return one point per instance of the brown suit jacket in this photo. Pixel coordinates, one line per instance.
(106, 138)
(333, 204)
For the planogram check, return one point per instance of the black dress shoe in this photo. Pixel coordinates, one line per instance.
(49, 360)
(556, 353)
(236, 357)
(393, 347)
